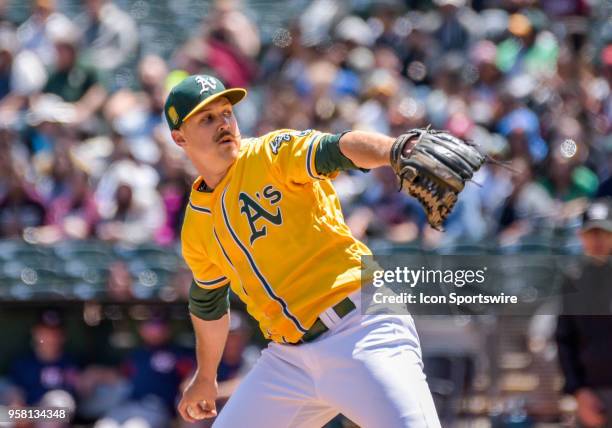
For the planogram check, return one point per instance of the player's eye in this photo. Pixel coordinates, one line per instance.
(227, 113)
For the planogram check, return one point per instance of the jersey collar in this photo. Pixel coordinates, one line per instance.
(206, 198)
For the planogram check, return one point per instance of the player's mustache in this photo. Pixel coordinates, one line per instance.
(224, 134)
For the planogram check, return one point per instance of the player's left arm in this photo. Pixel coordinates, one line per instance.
(304, 156)
(366, 149)
(433, 166)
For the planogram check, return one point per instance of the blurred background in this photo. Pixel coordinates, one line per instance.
(92, 286)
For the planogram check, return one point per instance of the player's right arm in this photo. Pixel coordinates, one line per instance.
(198, 400)
(209, 310)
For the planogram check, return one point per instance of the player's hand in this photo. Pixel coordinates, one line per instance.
(590, 408)
(198, 400)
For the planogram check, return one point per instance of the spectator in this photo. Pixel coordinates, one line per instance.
(73, 82)
(522, 128)
(155, 371)
(21, 74)
(20, 207)
(236, 28)
(123, 166)
(583, 329)
(73, 213)
(527, 204)
(221, 49)
(133, 217)
(36, 33)
(452, 33)
(128, 200)
(387, 214)
(50, 132)
(527, 51)
(174, 189)
(567, 179)
(109, 35)
(137, 116)
(152, 74)
(48, 366)
(484, 94)
(100, 390)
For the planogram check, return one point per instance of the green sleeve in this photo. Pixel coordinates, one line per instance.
(329, 158)
(208, 305)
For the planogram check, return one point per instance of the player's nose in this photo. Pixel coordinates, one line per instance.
(224, 124)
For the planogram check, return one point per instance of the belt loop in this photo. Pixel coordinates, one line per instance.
(355, 297)
(327, 319)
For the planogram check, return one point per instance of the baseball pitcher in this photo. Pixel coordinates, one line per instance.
(263, 218)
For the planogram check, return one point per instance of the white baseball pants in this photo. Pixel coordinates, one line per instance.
(367, 367)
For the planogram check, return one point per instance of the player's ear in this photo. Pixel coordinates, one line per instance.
(178, 138)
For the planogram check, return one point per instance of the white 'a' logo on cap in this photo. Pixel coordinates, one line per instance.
(207, 83)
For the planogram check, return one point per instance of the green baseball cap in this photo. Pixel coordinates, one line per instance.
(192, 94)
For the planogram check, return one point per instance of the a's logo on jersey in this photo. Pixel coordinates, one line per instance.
(278, 140)
(254, 211)
(286, 136)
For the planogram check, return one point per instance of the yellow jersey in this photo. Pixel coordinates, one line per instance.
(274, 230)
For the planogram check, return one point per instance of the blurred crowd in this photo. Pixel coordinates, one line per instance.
(131, 377)
(529, 81)
(84, 156)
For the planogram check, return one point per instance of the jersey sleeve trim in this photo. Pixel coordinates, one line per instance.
(330, 159)
(213, 283)
(311, 169)
(208, 304)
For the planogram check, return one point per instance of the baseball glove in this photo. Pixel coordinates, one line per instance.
(433, 166)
